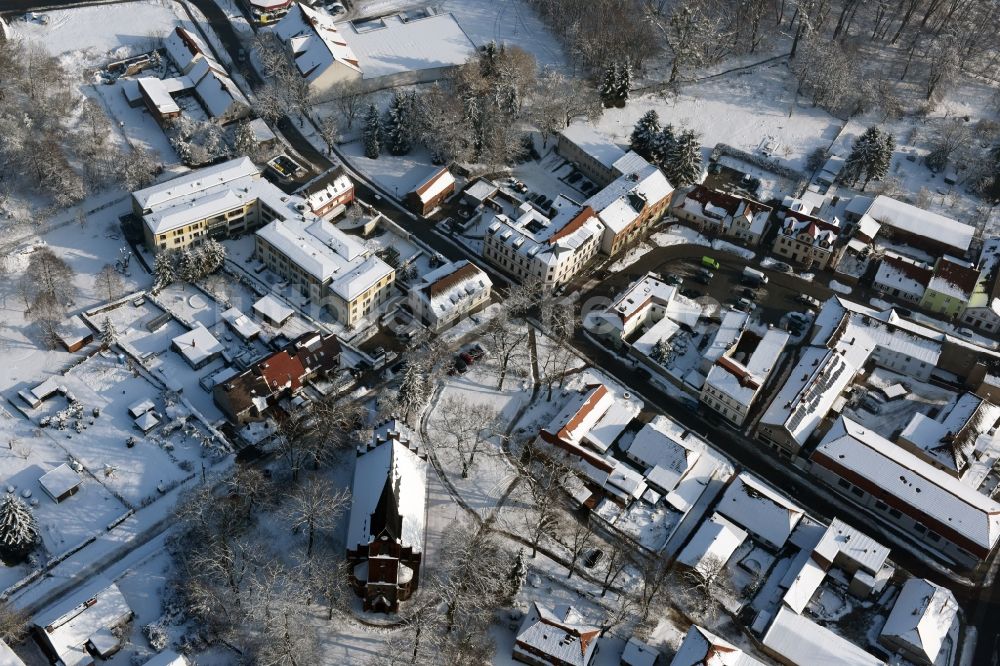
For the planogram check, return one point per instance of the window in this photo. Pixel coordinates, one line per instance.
(895, 514)
(880, 505)
(857, 491)
(843, 483)
(919, 529)
(934, 536)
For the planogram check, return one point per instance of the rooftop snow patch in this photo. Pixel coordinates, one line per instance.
(797, 640)
(761, 510)
(393, 44)
(703, 648)
(939, 500)
(919, 222)
(712, 545)
(593, 143)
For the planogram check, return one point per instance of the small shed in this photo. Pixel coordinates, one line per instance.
(197, 346)
(137, 409)
(60, 483)
(272, 310)
(74, 334)
(242, 325)
(147, 422)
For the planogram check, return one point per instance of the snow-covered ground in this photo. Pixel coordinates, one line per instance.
(632, 255)
(678, 234)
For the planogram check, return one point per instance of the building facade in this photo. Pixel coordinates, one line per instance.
(449, 293)
(806, 240)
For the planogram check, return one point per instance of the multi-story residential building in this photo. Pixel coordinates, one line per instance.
(847, 337)
(807, 240)
(951, 286)
(884, 216)
(902, 278)
(932, 506)
(736, 379)
(449, 293)
(530, 246)
(329, 199)
(630, 204)
(555, 636)
(329, 267)
(219, 202)
(723, 214)
(924, 618)
(593, 153)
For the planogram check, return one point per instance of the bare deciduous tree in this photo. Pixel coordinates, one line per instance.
(109, 282)
(466, 426)
(314, 505)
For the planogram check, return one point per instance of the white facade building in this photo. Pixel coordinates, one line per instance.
(449, 293)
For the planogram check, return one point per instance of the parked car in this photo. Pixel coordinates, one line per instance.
(746, 305)
(593, 557)
(477, 351)
(781, 267)
(674, 280)
(809, 300)
(467, 357)
(690, 293)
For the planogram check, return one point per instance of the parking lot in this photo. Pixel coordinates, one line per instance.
(779, 296)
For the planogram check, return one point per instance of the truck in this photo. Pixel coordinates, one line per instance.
(709, 262)
(753, 277)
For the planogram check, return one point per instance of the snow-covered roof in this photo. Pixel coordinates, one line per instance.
(807, 580)
(396, 44)
(921, 618)
(218, 94)
(271, 308)
(327, 254)
(630, 162)
(582, 134)
(74, 331)
(617, 417)
(899, 272)
(625, 199)
(438, 182)
(195, 182)
(954, 277)
(918, 222)
(451, 286)
(158, 92)
(733, 323)
(648, 290)
(799, 641)
(580, 413)
(244, 326)
(73, 621)
(391, 460)
(197, 344)
(331, 191)
(147, 421)
(637, 653)
(712, 545)
(762, 511)
(315, 41)
(843, 541)
(167, 658)
(539, 238)
(935, 498)
(9, 658)
(701, 647)
(59, 481)
(184, 47)
(742, 381)
(559, 632)
(657, 447)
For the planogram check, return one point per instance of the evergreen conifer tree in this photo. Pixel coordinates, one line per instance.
(18, 531)
(645, 134)
(372, 133)
(109, 334)
(164, 270)
(610, 85)
(398, 129)
(662, 144)
(682, 163)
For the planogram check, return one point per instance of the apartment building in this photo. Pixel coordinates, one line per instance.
(329, 267)
(528, 245)
(630, 204)
(449, 293)
(736, 379)
(806, 240)
(221, 201)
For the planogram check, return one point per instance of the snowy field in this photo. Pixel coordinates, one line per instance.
(742, 111)
(89, 36)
